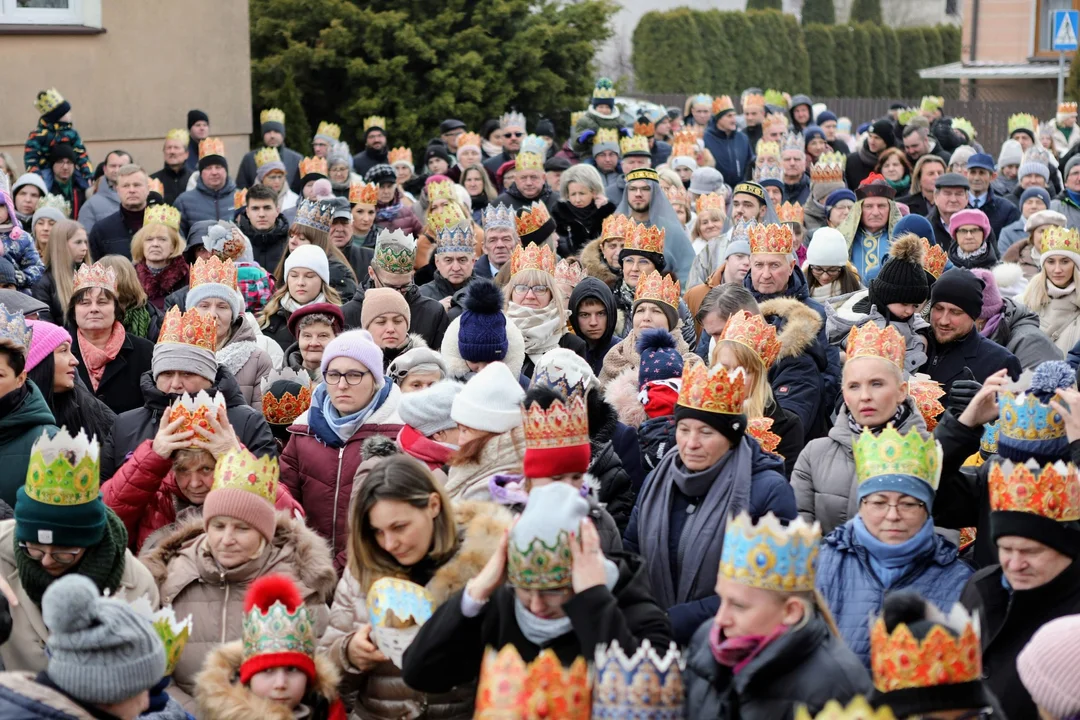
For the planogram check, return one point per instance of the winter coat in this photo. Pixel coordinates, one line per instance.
(44, 136)
(44, 289)
(941, 238)
(983, 357)
(987, 260)
(574, 231)
(19, 429)
(804, 666)
(502, 454)
(23, 254)
(173, 183)
(854, 593)
(456, 366)
(267, 246)
(202, 203)
(1059, 317)
(592, 259)
(25, 648)
(798, 192)
(24, 696)
(428, 318)
(144, 495)
(404, 219)
(245, 174)
(1065, 205)
(381, 693)
(134, 426)
(112, 234)
(104, 202)
(1019, 333)
(613, 484)
(824, 479)
(512, 197)
(859, 165)
(1011, 234)
(999, 211)
(247, 362)
(625, 356)
(367, 159)
(193, 583)
(321, 477)
(731, 151)
(119, 386)
(450, 647)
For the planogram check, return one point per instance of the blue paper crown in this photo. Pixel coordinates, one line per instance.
(644, 686)
(499, 216)
(1029, 428)
(401, 598)
(456, 239)
(534, 144)
(988, 443)
(559, 383)
(314, 214)
(770, 556)
(14, 332)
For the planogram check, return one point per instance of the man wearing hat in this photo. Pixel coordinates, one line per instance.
(861, 163)
(869, 225)
(272, 126)
(198, 125)
(980, 174)
(636, 154)
(449, 132)
(61, 179)
(374, 152)
(729, 146)
(644, 202)
(212, 196)
(950, 197)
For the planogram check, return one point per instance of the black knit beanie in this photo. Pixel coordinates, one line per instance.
(899, 281)
(732, 427)
(961, 288)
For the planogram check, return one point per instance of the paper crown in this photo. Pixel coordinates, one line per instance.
(374, 121)
(441, 190)
(722, 104)
(532, 219)
(776, 97)
(96, 275)
(1023, 418)
(211, 146)
(1023, 121)
(313, 166)
(715, 390)
(561, 425)
(393, 602)
(793, 141)
(775, 120)
(684, 149)
(927, 395)
(532, 257)
(769, 555)
(213, 270)
(701, 99)
(193, 412)
(457, 238)
(828, 168)
(14, 332)
(890, 455)
(512, 119)
(604, 89)
(239, 198)
(569, 272)
(906, 115)
(469, 139)
(710, 201)
(606, 136)
(771, 239)
(644, 685)
(988, 441)
(275, 630)
(63, 470)
(316, 214)
(534, 144)
(500, 216)
(283, 410)
(645, 128)
(574, 117)
(1067, 108)
(767, 149)
(964, 125)
(857, 709)
(152, 184)
(529, 161)
(328, 130)
(935, 259)
(165, 215)
(174, 633)
(616, 227)
(930, 103)
(48, 101)
(761, 430)
(363, 193)
(58, 202)
(190, 328)
(395, 252)
(634, 144)
(645, 238)
(183, 136)
(509, 688)
(1059, 239)
(899, 661)
(266, 155)
(754, 332)
(272, 115)
(654, 288)
(401, 155)
(676, 195)
(753, 100)
(238, 469)
(1051, 491)
(769, 171)
(445, 216)
(869, 340)
(686, 135)
(790, 212)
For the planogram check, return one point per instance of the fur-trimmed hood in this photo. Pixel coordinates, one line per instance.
(480, 529)
(622, 393)
(220, 695)
(455, 364)
(595, 266)
(625, 355)
(799, 325)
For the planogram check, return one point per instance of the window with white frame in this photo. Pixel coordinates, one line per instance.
(50, 12)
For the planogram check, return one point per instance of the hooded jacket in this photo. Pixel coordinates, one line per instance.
(267, 246)
(19, 429)
(202, 203)
(592, 259)
(731, 151)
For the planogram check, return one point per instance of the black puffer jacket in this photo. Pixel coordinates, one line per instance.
(428, 319)
(266, 245)
(613, 482)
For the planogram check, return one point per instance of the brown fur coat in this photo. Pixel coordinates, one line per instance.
(593, 262)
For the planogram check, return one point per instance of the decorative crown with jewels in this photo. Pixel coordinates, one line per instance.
(988, 441)
(715, 390)
(512, 119)
(721, 104)
(709, 201)
(511, 688)
(532, 257)
(193, 412)
(266, 155)
(890, 454)
(768, 171)
(790, 212)
(1023, 121)
(500, 216)
(57, 201)
(534, 144)
(659, 289)
(1024, 418)
(793, 141)
(642, 685)
(569, 271)
(363, 193)
(899, 661)
(469, 139)
(616, 227)
(239, 198)
(771, 239)
(277, 629)
(14, 332)
(646, 238)
(769, 555)
(283, 410)
(238, 469)
(755, 332)
(395, 252)
(634, 144)
(935, 259)
(1051, 491)
(645, 128)
(179, 134)
(313, 166)
(190, 328)
(964, 125)
(446, 216)
(927, 395)
(441, 190)
(213, 270)
(768, 149)
(96, 275)
(761, 430)
(165, 215)
(374, 121)
(48, 100)
(329, 130)
(1059, 239)
(211, 146)
(457, 238)
(315, 214)
(930, 103)
(272, 115)
(560, 425)
(869, 340)
(63, 470)
(857, 709)
(531, 219)
(684, 149)
(400, 155)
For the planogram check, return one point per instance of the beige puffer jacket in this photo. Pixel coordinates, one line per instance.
(248, 363)
(190, 580)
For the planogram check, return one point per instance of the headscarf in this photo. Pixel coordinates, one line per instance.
(678, 251)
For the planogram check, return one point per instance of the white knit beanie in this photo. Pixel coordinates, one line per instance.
(1047, 666)
(309, 257)
(490, 401)
(827, 248)
(428, 410)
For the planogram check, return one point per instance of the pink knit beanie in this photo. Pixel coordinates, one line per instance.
(46, 338)
(1047, 666)
(992, 302)
(242, 505)
(358, 345)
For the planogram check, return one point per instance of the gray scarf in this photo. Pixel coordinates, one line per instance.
(716, 494)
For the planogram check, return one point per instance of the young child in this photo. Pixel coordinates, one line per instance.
(55, 127)
(274, 673)
(17, 245)
(600, 115)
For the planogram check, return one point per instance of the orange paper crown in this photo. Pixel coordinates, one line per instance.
(533, 257)
(364, 194)
(713, 391)
(211, 146)
(213, 270)
(1052, 491)
(761, 430)
(712, 201)
(469, 139)
(193, 411)
(616, 226)
(532, 219)
(96, 275)
(289, 407)
(658, 289)
(239, 198)
(569, 270)
(935, 259)
(774, 120)
(510, 689)
(645, 129)
(646, 238)
(676, 195)
(190, 328)
(686, 136)
(684, 149)
(771, 239)
(559, 426)
(165, 215)
(313, 165)
(401, 155)
(872, 341)
(790, 212)
(754, 332)
(753, 100)
(721, 104)
(901, 662)
(927, 395)
(829, 168)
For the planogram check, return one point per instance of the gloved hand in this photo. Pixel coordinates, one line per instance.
(962, 392)
(585, 135)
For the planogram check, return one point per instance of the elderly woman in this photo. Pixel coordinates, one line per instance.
(307, 281)
(708, 238)
(157, 251)
(417, 369)
(203, 565)
(838, 206)
(890, 544)
(404, 526)
(974, 244)
(579, 214)
(1052, 292)
(313, 326)
(71, 249)
(875, 395)
(340, 168)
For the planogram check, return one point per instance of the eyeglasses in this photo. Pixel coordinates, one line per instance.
(828, 270)
(969, 231)
(537, 290)
(904, 507)
(400, 288)
(514, 134)
(60, 557)
(353, 377)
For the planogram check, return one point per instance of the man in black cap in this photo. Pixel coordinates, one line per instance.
(950, 197)
(212, 197)
(956, 349)
(198, 125)
(554, 167)
(374, 152)
(449, 132)
(862, 162)
(61, 178)
(981, 196)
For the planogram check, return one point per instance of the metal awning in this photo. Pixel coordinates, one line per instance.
(993, 70)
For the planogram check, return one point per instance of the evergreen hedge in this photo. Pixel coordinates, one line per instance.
(818, 11)
(865, 11)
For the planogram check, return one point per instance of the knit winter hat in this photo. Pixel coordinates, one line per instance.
(101, 651)
(33, 179)
(706, 180)
(660, 360)
(824, 116)
(992, 301)
(417, 360)
(194, 116)
(1033, 192)
(358, 345)
(482, 325)
(45, 339)
(970, 216)
(309, 257)
(961, 288)
(538, 552)
(490, 401)
(562, 369)
(837, 196)
(330, 310)
(1033, 168)
(1011, 154)
(1047, 667)
(380, 301)
(902, 278)
(827, 248)
(1044, 217)
(245, 488)
(48, 212)
(428, 410)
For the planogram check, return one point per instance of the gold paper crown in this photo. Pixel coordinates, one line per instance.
(774, 120)
(469, 139)
(721, 104)
(1059, 239)
(211, 146)
(179, 134)
(238, 469)
(927, 395)
(604, 88)
(313, 166)
(510, 689)
(1023, 121)
(401, 155)
(606, 135)
(616, 226)
(645, 128)
(266, 155)
(446, 216)
(48, 101)
(964, 125)
(283, 410)
(857, 709)
(193, 411)
(152, 184)
(827, 169)
(714, 391)
(935, 259)
(364, 194)
(63, 470)
(711, 201)
(239, 198)
(440, 190)
(753, 100)
(570, 271)
(374, 121)
(890, 454)
(1025, 418)
(756, 333)
(574, 117)
(872, 341)
(272, 115)
(634, 143)
(14, 332)
(532, 219)
(899, 661)
(654, 288)
(1052, 491)
(213, 270)
(790, 212)
(771, 239)
(561, 425)
(768, 149)
(644, 685)
(329, 130)
(1067, 108)
(769, 555)
(761, 430)
(646, 238)
(532, 257)
(58, 202)
(906, 115)
(165, 215)
(96, 275)
(929, 103)
(529, 161)
(277, 630)
(190, 328)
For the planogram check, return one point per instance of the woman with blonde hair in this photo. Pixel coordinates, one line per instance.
(141, 318)
(1052, 293)
(708, 237)
(69, 248)
(158, 253)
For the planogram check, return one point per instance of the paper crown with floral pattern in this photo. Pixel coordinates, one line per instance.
(790, 212)
(935, 259)
(1022, 121)
(769, 555)
(645, 238)
(1051, 491)
(446, 216)
(374, 121)
(645, 128)
(193, 327)
(283, 410)
(14, 332)
(574, 117)
(316, 214)
(989, 440)
(654, 288)
(266, 155)
(716, 390)
(756, 333)
(606, 136)
(869, 340)
(616, 227)
(238, 469)
(532, 257)
(684, 149)
(539, 555)
(395, 251)
(889, 457)
(400, 156)
(272, 115)
(213, 270)
(363, 193)
(900, 661)
(442, 189)
(239, 198)
(179, 134)
(63, 470)
(1059, 239)
(469, 139)
(97, 275)
(313, 166)
(644, 685)
(561, 425)
(173, 632)
(635, 144)
(497, 216)
(328, 130)
(709, 201)
(457, 238)
(531, 155)
(761, 430)
(1026, 421)
(930, 103)
(534, 219)
(771, 239)
(927, 395)
(857, 709)
(767, 149)
(829, 168)
(193, 410)
(509, 688)
(278, 628)
(211, 146)
(570, 271)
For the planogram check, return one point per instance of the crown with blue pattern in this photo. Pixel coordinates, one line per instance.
(1028, 427)
(988, 443)
(534, 144)
(457, 238)
(769, 555)
(392, 602)
(645, 685)
(14, 332)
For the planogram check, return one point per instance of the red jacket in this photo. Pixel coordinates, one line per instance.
(143, 493)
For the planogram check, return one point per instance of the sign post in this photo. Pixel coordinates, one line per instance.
(1066, 24)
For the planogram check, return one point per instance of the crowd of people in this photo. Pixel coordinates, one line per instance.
(731, 411)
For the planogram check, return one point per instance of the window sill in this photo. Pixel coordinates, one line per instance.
(17, 29)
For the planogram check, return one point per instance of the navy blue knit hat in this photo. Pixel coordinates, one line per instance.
(659, 358)
(825, 116)
(482, 325)
(812, 131)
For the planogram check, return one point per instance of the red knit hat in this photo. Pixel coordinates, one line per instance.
(556, 438)
(279, 630)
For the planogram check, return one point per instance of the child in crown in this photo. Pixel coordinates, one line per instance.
(55, 128)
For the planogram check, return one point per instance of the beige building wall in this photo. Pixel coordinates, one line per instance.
(129, 85)
(1006, 30)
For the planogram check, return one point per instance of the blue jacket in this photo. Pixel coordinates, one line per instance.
(202, 203)
(999, 211)
(731, 151)
(855, 594)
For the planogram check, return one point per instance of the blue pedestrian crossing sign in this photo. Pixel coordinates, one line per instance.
(1066, 25)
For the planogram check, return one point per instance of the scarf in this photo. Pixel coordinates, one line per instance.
(977, 252)
(541, 631)
(892, 562)
(715, 494)
(541, 328)
(323, 416)
(490, 149)
(898, 419)
(137, 321)
(13, 400)
(1074, 196)
(292, 306)
(900, 185)
(103, 563)
(159, 283)
(1055, 292)
(235, 354)
(736, 653)
(991, 325)
(95, 358)
(431, 452)
(869, 158)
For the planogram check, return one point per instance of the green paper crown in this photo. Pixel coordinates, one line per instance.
(63, 470)
(278, 631)
(173, 633)
(540, 566)
(395, 252)
(775, 97)
(890, 453)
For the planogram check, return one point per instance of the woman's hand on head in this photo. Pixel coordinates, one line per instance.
(169, 438)
(589, 566)
(221, 438)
